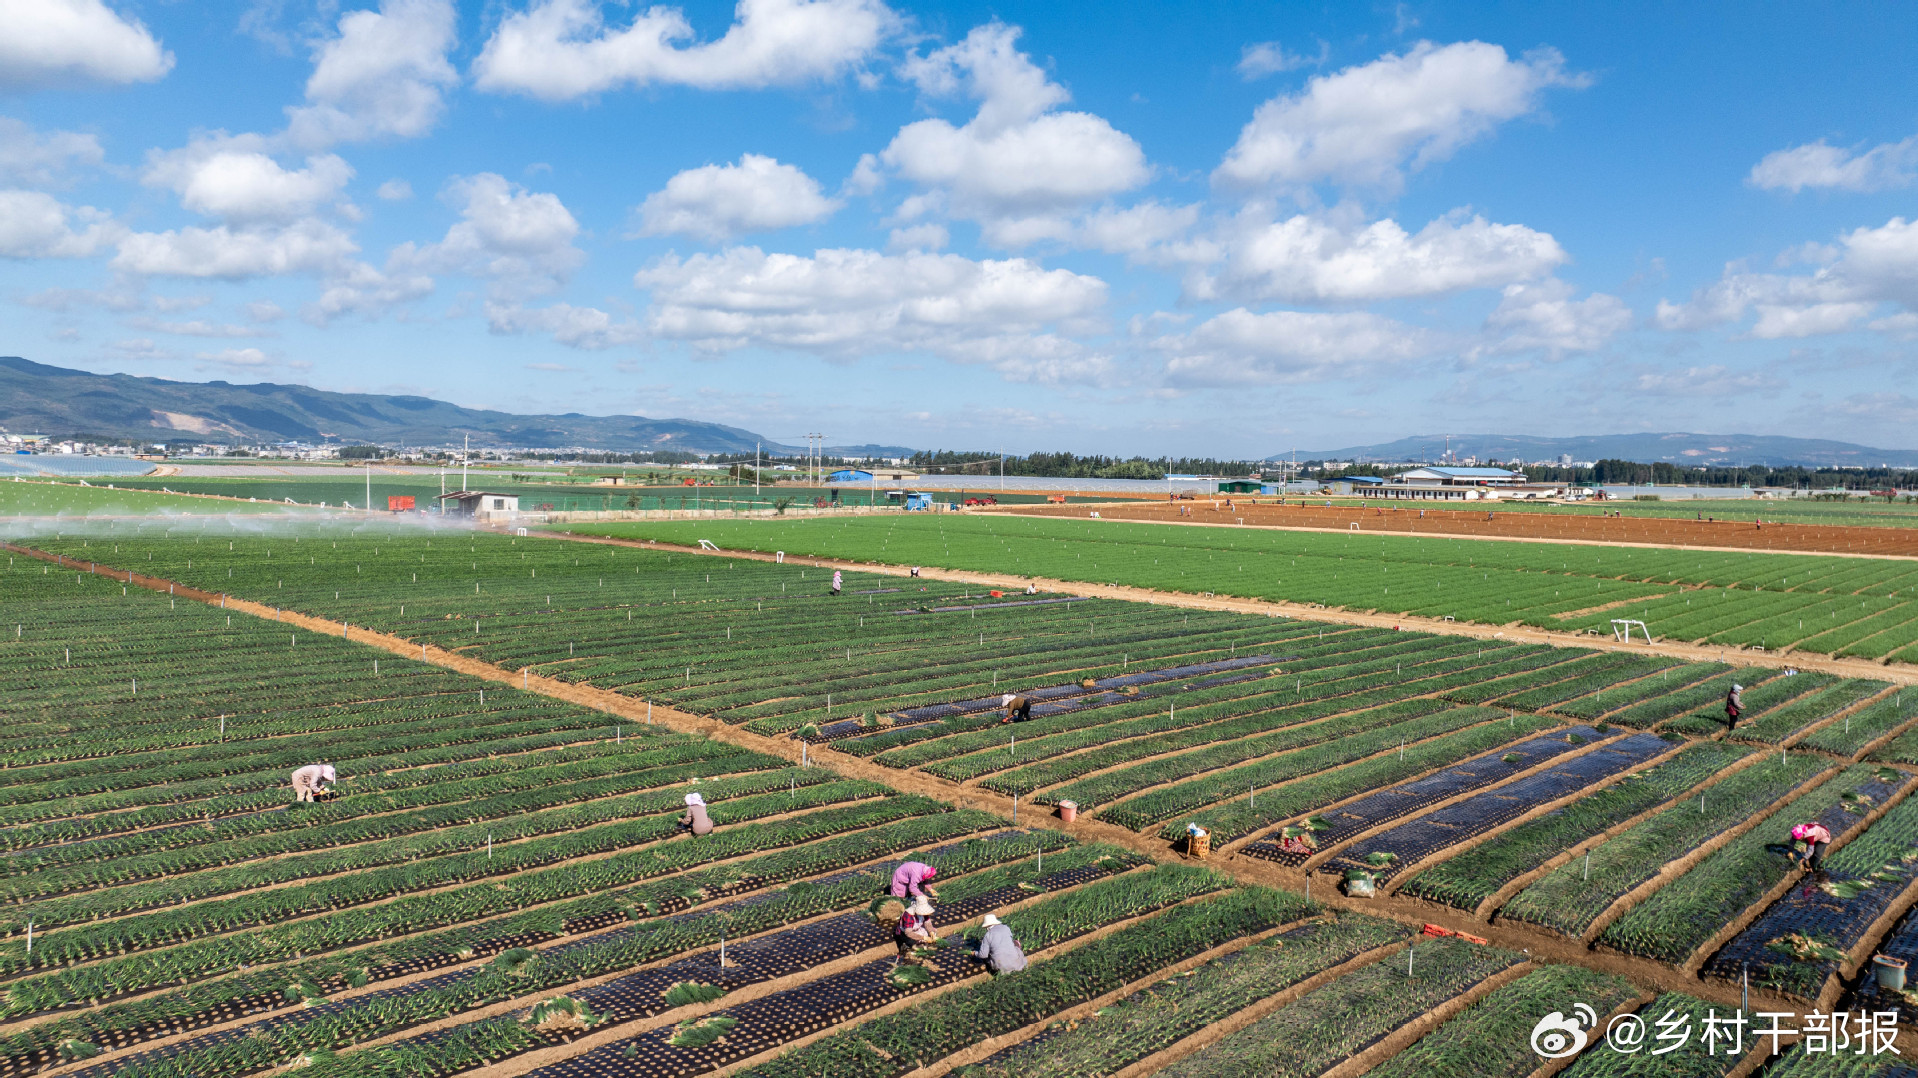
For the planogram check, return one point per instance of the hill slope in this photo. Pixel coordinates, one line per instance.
(35, 397)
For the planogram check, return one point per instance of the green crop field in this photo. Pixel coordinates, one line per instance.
(33, 498)
(502, 885)
(1830, 605)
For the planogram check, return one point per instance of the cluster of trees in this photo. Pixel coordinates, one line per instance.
(1634, 473)
(1073, 466)
(662, 456)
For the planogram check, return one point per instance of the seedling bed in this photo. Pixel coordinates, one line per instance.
(1466, 880)
(1571, 897)
(1673, 922)
(1390, 804)
(1865, 877)
(1415, 840)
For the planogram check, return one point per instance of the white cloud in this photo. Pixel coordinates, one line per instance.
(34, 224)
(43, 160)
(1715, 380)
(395, 191)
(718, 202)
(1313, 260)
(198, 327)
(1885, 407)
(1885, 166)
(1543, 316)
(358, 288)
(60, 42)
(1013, 315)
(927, 237)
(1366, 125)
(1262, 58)
(587, 328)
(1240, 347)
(305, 246)
(233, 177)
(558, 50)
(239, 358)
(1016, 167)
(126, 296)
(1868, 268)
(382, 76)
(1139, 229)
(264, 310)
(521, 240)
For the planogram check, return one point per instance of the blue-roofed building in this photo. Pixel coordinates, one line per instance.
(1451, 484)
(849, 475)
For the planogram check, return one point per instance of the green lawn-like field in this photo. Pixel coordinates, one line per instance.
(1821, 603)
(39, 498)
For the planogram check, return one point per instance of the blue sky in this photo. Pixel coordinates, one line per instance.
(1223, 228)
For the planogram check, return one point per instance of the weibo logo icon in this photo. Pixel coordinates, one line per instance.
(1556, 1036)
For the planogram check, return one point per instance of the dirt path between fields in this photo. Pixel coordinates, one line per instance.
(1247, 870)
(1903, 673)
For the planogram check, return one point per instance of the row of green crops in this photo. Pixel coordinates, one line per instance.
(1051, 921)
(1311, 1034)
(1469, 879)
(178, 962)
(1471, 580)
(1674, 921)
(896, 1044)
(589, 819)
(1493, 1037)
(713, 635)
(1239, 817)
(1165, 1013)
(1571, 897)
(548, 971)
(391, 958)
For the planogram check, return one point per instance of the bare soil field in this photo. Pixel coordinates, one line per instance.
(1492, 523)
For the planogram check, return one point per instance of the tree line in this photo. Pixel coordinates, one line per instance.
(1074, 466)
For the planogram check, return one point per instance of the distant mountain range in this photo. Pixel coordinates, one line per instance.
(1682, 449)
(37, 398)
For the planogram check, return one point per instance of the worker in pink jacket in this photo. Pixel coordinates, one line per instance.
(910, 879)
(310, 780)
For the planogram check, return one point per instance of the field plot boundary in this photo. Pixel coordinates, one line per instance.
(635, 710)
(1361, 513)
(1484, 910)
(1904, 673)
(1695, 962)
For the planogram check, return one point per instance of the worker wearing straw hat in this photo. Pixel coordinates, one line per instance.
(913, 929)
(695, 818)
(997, 949)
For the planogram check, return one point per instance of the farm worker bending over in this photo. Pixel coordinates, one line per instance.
(1018, 708)
(1734, 705)
(1815, 837)
(914, 928)
(910, 879)
(695, 818)
(837, 581)
(999, 950)
(310, 780)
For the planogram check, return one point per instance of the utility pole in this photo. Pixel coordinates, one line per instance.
(1002, 471)
(465, 454)
(369, 484)
(755, 469)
